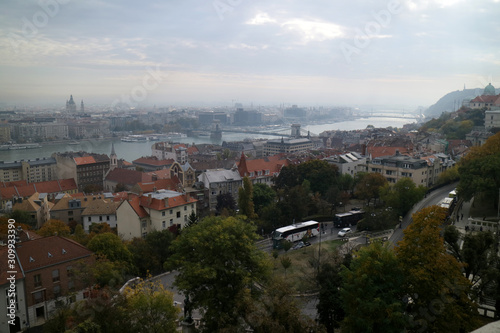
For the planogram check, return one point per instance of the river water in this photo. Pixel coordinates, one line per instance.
(133, 150)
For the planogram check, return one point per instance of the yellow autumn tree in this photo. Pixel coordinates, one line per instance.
(438, 295)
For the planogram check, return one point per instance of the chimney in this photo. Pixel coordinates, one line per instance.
(166, 202)
(397, 152)
(150, 198)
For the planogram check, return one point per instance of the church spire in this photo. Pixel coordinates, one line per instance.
(113, 159)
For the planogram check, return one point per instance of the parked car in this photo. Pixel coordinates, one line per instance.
(300, 245)
(344, 232)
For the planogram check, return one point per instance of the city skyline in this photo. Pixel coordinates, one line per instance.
(226, 51)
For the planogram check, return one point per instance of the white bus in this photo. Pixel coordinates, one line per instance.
(295, 232)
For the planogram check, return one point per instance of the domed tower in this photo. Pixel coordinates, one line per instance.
(489, 90)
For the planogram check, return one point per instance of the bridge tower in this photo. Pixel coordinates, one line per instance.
(216, 132)
(296, 131)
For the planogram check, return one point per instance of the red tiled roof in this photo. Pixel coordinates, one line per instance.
(14, 183)
(46, 251)
(135, 203)
(160, 184)
(192, 150)
(159, 204)
(84, 160)
(128, 177)
(385, 151)
(485, 99)
(51, 186)
(272, 163)
(160, 174)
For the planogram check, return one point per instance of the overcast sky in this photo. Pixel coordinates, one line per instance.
(173, 52)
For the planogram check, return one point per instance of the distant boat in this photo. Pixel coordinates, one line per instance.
(74, 143)
(17, 147)
(129, 139)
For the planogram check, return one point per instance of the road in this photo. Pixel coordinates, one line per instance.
(432, 198)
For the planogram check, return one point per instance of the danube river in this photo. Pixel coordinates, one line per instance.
(133, 150)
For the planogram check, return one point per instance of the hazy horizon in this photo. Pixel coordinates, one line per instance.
(221, 52)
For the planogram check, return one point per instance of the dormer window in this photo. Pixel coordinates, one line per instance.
(49, 255)
(31, 259)
(63, 251)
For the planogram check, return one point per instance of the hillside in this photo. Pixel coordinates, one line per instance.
(451, 101)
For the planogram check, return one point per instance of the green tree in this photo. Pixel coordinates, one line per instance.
(440, 294)
(80, 235)
(192, 219)
(159, 248)
(402, 195)
(120, 187)
(277, 311)
(288, 177)
(368, 187)
(218, 261)
(111, 246)
(330, 305)
(263, 195)
(225, 201)
(54, 227)
(23, 217)
(286, 262)
(320, 174)
(245, 199)
(372, 292)
(480, 171)
(151, 308)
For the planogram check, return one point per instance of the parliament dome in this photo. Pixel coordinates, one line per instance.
(489, 90)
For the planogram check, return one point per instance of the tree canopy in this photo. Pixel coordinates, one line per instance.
(439, 296)
(218, 263)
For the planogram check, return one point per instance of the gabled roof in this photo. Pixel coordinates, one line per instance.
(128, 177)
(135, 203)
(159, 174)
(272, 163)
(47, 251)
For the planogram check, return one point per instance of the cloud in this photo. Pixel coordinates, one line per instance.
(261, 19)
(313, 30)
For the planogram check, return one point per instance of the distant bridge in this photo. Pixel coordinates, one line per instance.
(281, 133)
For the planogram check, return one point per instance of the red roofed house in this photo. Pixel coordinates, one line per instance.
(88, 169)
(172, 184)
(126, 177)
(161, 210)
(152, 163)
(37, 206)
(16, 190)
(261, 170)
(47, 268)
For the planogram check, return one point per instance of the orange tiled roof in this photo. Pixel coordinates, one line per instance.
(159, 204)
(384, 151)
(160, 184)
(485, 99)
(51, 186)
(128, 177)
(135, 203)
(84, 160)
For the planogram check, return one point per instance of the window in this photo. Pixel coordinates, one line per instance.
(107, 217)
(171, 211)
(100, 217)
(38, 280)
(143, 224)
(57, 290)
(89, 218)
(178, 214)
(163, 224)
(171, 222)
(185, 208)
(69, 271)
(39, 296)
(163, 213)
(55, 275)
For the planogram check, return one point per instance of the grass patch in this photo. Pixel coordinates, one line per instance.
(304, 262)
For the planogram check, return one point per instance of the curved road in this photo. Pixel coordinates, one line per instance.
(432, 198)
